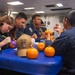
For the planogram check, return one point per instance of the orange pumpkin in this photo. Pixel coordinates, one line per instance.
(41, 46)
(48, 31)
(32, 53)
(11, 45)
(49, 51)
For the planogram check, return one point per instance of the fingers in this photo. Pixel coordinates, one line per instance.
(34, 36)
(8, 39)
(48, 37)
(5, 41)
(33, 41)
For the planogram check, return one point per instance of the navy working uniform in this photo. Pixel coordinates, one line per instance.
(65, 46)
(30, 30)
(19, 32)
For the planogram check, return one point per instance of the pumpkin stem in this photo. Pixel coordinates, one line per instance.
(49, 46)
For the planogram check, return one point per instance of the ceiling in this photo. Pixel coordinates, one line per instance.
(40, 5)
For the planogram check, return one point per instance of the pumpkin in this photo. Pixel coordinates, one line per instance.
(49, 51)
(12, 44)
(48, 31)
(32, 53)
(41, 46)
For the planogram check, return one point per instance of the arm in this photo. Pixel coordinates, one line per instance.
(60, 44)
(5, 41)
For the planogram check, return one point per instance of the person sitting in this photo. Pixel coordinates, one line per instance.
(35, 28)
(20, 21)
(65, 44)
(6, 25)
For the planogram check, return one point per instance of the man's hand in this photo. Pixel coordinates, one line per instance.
(43, 36)
(34, 36)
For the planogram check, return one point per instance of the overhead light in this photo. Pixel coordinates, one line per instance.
(29, 8)
(39, 12)
(15, 3)
(59, 4)
(14, 12)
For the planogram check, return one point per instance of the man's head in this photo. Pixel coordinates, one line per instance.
(20, 20)
(36, 20)
(69, 19)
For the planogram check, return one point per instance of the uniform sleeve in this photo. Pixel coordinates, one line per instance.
(48, 42)
(60, 44)
(18, 33)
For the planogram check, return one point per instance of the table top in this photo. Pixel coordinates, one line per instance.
(41, 65)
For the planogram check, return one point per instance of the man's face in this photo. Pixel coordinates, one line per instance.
(37, 21)
(20, 22)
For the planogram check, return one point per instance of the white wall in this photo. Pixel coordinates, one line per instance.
(53, 19)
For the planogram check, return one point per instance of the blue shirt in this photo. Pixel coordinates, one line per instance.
(65, 45)
(30, 30)
(19, 32)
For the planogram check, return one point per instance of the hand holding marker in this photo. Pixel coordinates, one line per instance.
(12, 44)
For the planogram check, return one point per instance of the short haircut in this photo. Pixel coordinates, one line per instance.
(70, 15)
(42, 22)
(21, 15)
(34, 16)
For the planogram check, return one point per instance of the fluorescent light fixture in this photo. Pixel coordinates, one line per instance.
(59, 4)
(29, 8)
(15, 3)
(14, 12)
(39, 12)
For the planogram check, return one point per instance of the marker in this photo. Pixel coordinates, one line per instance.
(3, 36)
